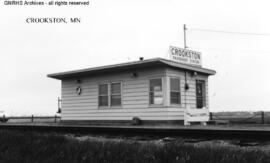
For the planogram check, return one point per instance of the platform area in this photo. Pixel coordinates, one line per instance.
(258, 132)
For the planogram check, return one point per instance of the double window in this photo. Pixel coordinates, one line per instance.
(200, 94)
(175, 91)
(155, 92)
(109, 94)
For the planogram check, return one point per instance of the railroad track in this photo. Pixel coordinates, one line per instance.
(192, 132)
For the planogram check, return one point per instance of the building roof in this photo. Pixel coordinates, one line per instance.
(130, 66)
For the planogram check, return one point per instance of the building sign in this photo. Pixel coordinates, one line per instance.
(185, 56)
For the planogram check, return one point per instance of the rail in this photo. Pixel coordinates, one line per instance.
(191, 132)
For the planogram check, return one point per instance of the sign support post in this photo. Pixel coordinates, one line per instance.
(185, 43)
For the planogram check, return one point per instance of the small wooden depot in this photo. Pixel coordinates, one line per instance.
(152, 91)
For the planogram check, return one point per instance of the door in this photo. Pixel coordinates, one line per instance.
(200, 94)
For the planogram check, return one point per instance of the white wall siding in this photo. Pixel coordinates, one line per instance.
(135, 97)
(124, 114)
(188, 97)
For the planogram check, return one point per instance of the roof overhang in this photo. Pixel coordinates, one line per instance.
(156, 62)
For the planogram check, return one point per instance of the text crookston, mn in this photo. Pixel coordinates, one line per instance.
(52, 20)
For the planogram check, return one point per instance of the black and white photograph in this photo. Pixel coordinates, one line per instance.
(133, 81)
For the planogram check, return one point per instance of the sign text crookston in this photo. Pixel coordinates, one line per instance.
(185, 56)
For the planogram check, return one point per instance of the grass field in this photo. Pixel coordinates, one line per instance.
(18, 146)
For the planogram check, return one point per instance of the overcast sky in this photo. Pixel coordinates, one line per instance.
(120, 31)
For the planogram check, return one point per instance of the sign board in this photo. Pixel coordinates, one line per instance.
(195, 115)
(185, 56)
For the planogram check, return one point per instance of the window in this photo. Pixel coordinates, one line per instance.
(200, 94)
(155, 93)
(109, 94)
(115, 94)
(103, 99)
(175, 91)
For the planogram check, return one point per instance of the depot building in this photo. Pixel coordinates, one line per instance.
(151, 91)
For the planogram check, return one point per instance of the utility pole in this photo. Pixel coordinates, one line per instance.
(185, 43)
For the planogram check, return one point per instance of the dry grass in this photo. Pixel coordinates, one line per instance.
(18, 146)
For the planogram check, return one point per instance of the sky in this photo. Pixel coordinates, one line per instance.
(119, 31)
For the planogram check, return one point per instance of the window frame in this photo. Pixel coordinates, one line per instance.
(203, 93)
(162, 92)
(109, 106)
(110, 96)
(170, 90)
